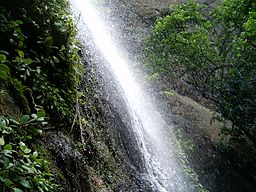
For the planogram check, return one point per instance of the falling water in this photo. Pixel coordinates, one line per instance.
(155, 142)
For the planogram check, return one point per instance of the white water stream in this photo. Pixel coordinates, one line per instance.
(157, 144)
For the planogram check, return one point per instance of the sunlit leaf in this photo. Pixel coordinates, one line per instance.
(16, 190)
(35, 154)
(3, 75)
(27, 151)
(24, 119)
(56, 60)
(27, 61)
(2, 58)
(2, 142)
(25, 183)
(19, 22)
(8, 147)
(6, 181)
(41, 113)
(21, 53)
(34, 116)
(22, 144)
(4, 68)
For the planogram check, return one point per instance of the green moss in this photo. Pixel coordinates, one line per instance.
(18, 94)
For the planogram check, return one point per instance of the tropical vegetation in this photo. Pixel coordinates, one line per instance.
(213, 50)
(39, 68)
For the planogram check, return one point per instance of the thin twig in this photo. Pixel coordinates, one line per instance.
(75, 117)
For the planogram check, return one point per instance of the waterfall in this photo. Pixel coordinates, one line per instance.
(154, 137)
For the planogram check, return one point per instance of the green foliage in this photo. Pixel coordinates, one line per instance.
(237, 102)
(4, 69)
(180, 44)
(40, 53)
(187, 144)
(242, 156)
(215, 52)
(39, 68)
(19, 95)
(236, 93)
(23, 168)
(184, 146)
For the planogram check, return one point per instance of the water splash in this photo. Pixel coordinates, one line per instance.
(156, 143)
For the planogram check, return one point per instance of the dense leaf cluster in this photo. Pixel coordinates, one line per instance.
(39, 55)
(22, 167)
(216, 52)
(39, 68)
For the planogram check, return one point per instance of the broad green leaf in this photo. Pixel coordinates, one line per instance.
(23, 148)
(7, 153)
(21, 53)
(34, 116)
(57, 23)
(10, 165)
(2, 58)
(4, 68)
(14, 122)
(27, 61)
(27, 150)
(6, 160)
(56, 60)
(39, 131)
(31, 120)
(7, 182)
(35, 154)
(20, 169)
(29, 169)
(19, 22)
(36, 131)
(2, 142)
(7, 121)
(2, 179)
(8, 147)
(40, 119)
(6, 53)
(62, 48)
(41, 113)
(25, 183)
(21, 153)
(48, 39)
(29, 137)
(16, 190)
(7, 130)
(28, 73)
(22, 144)
(24, 119)
(2, 123)
(20, 44)
(3, 75)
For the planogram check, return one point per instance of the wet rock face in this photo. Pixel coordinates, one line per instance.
(68, 163)
(111, 124)
(135, 19)
(110, 160)
(189, 113)
(88, 168)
